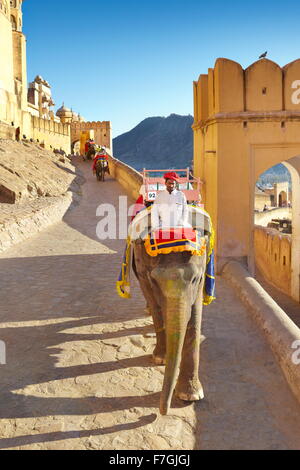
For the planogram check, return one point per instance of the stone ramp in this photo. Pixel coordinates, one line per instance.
(79, 372)
(248, 404)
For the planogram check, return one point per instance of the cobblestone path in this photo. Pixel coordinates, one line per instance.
(79, 372)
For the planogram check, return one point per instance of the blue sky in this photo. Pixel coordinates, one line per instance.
(125, 60)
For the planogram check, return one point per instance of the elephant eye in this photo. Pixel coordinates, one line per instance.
(194, 280)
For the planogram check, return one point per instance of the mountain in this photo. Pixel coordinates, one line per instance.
(276, 174)
(167, 142)
(157, 143)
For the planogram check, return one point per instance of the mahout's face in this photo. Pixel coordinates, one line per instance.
(170, 185)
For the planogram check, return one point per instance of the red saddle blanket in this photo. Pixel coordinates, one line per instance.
(175, 240)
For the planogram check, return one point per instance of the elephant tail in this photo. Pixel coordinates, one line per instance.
(176, 325)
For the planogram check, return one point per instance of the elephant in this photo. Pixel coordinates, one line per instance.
(101, 169)
(91, 152)
(173, 286)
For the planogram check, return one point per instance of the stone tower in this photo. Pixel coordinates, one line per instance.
(13, 77)
(16, 15)
(6, 57)
(19, 52)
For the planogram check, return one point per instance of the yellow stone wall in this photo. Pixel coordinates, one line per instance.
(50, 133)
(6, 60)
(20, 67)
(7, 87)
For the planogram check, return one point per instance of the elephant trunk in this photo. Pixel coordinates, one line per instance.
(176, 323)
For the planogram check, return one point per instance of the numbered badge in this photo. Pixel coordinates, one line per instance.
(152, 196)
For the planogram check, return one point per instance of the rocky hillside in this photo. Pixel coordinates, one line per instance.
(157, 142)
(28, 172)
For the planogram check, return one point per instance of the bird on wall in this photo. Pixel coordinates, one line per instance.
(263, 55)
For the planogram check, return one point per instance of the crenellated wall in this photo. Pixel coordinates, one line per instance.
(102, 132)
(263, 87)
(51, 133)
(273, 256)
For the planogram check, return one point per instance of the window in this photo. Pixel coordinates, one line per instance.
(13, 22)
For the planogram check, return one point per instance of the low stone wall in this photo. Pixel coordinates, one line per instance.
(273, 252)
(263, 218)
(127, 176)
(19, 222)
(280, 331)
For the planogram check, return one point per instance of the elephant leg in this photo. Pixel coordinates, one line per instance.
(159, 353)
(188, 386)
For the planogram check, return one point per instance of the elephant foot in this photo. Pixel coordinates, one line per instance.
(159, 360)
(191, 393)
(159, 354)
(147, 311)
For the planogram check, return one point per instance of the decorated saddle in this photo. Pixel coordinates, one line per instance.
(174, 240)
(197, 238)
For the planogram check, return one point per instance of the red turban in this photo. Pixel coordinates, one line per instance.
(171, 176)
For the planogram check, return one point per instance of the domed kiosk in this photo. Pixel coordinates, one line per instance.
(64, 114)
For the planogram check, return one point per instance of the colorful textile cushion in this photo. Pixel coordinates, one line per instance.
(175, 240)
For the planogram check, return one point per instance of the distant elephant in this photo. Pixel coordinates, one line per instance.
(91, 152)
(173, 287)
(101, 169)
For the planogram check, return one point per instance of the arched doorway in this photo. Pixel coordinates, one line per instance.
(273, 226)
(292, 163)
(283, 199)
(75, 147)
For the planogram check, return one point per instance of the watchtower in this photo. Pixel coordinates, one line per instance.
(19, 52)
(16, 15)
(246, 121)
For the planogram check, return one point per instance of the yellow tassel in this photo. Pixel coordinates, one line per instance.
(119, 285)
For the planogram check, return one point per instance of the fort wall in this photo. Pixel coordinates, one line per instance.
(273, 256)
(102, 132)
(51, 133)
